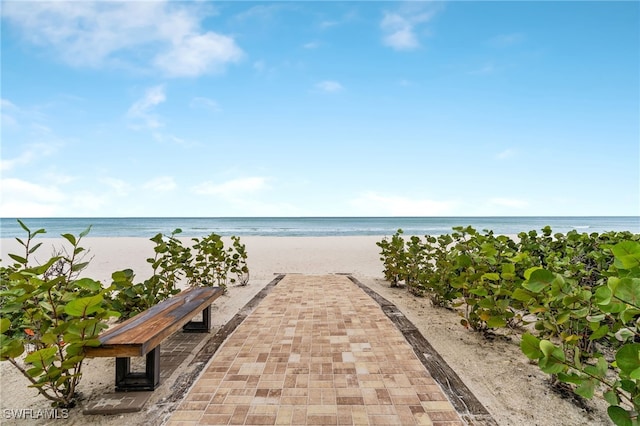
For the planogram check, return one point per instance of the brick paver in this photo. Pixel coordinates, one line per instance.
(316, 351)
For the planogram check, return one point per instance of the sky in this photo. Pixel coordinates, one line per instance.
(213, 109)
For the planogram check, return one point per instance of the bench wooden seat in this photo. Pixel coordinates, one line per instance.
(141, 335)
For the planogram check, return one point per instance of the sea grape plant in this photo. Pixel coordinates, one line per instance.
(580, 291)
(49, 316)
(614, 315)
(206, 263)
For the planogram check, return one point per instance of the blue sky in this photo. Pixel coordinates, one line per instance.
(320, 108)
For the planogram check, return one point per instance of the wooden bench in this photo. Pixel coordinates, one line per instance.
(142, 335)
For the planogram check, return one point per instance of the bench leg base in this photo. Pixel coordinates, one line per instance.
(127, 381)
(203, 326)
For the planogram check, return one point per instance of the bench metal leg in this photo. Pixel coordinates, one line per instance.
(127, 381)
(203, 326)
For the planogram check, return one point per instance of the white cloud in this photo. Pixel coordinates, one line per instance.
(21, 198)
(232, 188)
(329, 86)
(160, 184)
(7, 108)
(374, 204)
(199, 54)
(311, 45)
(95, 34)
(119, 186)
(510, 202)
(399, 27)
(141, 110)
(30, 154)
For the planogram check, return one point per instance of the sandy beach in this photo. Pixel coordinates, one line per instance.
(514, 391)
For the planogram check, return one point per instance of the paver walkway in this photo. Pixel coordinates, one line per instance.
(319, 351)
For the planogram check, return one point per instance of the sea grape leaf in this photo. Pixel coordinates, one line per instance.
(587, 388)
(18, 259)
(83, 306)
(521, 295)
(627, 254)
(496, 322)
(10, 348)
(85, 232)
(530, 346)
(539, 280)
(42, 357)
(491, 276)
(599, 333)
(70, 238)
(628, 357)
(619, 416)
(5, 324)
(628, 290)
(611, 397)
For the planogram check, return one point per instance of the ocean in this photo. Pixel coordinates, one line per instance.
(310, 226)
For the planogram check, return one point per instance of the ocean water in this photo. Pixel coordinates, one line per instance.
(310, 226)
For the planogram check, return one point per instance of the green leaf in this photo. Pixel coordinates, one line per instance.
(619, 416)
(521, 295)
(18, 259)
(85, 232)
(551, 366)
(547, 347)
(10, 348)
(627, 254)
(530, 346)
(496, 322)
(586, 388)
(34, 248)
(491, 276)
(5, 324)
(539, 280)
(83, 306)
(603, 295)
(628, 290)
(23, 226)
(611, 397)
(70, 238)
(42, 357)
(628, 357)
(599, 333)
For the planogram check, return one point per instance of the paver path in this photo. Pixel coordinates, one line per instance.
(319, 351)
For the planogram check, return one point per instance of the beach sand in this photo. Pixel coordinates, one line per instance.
(514, 391)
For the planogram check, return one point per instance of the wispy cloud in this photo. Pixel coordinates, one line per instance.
(7, 109)
(142, 110)
(311, 45)
(30, 154)
(374, 204)
(329, 86)
(205, 103)
(166, 36)
(232, 188)
(400, 28)
(160, 184)
(117, 186)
